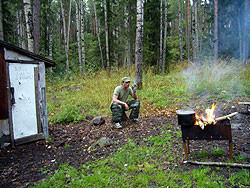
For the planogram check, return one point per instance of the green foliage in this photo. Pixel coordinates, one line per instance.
(215, 152)
(241, 179)
(74, 96)
(68, 114)
(48, 139)
(141, 165)
(218, 151)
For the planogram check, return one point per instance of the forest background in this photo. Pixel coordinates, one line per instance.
(181, 53)
(92, 35)
(88, 39)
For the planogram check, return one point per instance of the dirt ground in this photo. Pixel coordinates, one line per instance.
(74, 143)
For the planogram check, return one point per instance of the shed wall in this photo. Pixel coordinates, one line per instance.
(3, 87)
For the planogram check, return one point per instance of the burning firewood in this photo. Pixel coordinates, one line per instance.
(226, 117)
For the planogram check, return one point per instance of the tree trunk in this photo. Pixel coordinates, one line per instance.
(65, 35)
(161, 32)
(1, 20)
(216, 42)
(68, 32)
(50, 29)
(202, 26)
(138, 45)
(189, 30)
(131, 34)
(18, 26)
(29, 24)
(180, 30)
(106, 34)
(240, 35)
(126, 24)
(82, 35)
(196, 28)
(193, 30)
(78, 35)
(98, 34)
(245, 41)
(165, 38)
(36, 21)
(60, 32)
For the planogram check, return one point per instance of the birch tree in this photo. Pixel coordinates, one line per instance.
(196, 28)
(50, 29)
(189, 30)
(131, 32)
(98, 34)
(82, 35)
(29, 24)
(180, 30)
(246, 32)
(138, 45)
(240, 35)
(165, 37)
(20, 28)
(106, 34)
(36, 21)
(202, 26)
(1, 20)
(216, 42)
(193, 31)
(66, 32)
(161, 32)
(78, 16)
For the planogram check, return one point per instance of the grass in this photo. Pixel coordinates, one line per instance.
(153, 163)
(72, 98)
(142, 165)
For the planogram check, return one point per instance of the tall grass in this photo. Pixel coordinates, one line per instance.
(223, 79)
(72, 98)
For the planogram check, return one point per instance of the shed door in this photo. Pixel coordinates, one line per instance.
(24, 103)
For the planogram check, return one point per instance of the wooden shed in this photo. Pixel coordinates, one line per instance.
(23, 110)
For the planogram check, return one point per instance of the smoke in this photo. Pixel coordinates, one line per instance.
(219, 80)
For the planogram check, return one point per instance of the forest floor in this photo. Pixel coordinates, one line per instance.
(74, 144)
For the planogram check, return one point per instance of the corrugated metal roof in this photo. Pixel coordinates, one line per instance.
(48, 62)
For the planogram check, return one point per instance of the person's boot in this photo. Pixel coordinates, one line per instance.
(136, 120)
(117, 125)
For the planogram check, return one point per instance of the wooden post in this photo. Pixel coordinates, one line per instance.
(230, 150)
(10, 107)
(188, 149)
(185, 149)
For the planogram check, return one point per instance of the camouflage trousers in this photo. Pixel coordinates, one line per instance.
(118, 111)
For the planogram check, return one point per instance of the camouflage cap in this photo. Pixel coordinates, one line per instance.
(126, 79)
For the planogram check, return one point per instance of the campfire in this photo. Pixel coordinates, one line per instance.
(210, 119)
(204, 127)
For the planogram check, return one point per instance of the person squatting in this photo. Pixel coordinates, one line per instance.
(120, 104)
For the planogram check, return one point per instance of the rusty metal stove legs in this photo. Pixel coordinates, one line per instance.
(230, 150)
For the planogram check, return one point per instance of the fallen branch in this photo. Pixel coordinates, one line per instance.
(218, 164)
(245, 103)
(226, 117)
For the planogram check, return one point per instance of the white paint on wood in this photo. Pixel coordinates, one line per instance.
(24, 109)
(11, 55)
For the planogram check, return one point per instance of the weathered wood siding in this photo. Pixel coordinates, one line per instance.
(3, 87)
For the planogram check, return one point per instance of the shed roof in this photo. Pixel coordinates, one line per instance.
(47, 62)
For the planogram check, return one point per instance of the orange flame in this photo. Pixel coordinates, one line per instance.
(209, 119)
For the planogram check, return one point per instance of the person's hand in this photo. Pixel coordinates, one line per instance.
(126, 106)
